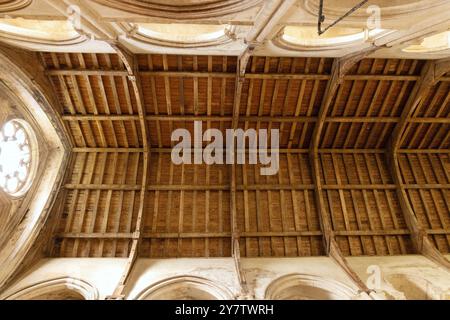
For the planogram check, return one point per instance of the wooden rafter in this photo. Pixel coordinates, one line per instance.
(289, 119)
(235, 230)
(133, 76)
(293, 151)
(263, 27)
(230, 75)
(341, 67)
(431, 74)
(190, 235)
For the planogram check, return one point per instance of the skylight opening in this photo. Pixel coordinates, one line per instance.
(184, 33)
(435, 43)
(38, 29)
(306, 36)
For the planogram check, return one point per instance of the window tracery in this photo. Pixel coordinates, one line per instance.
(16, 157)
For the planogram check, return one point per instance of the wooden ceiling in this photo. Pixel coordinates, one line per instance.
(199, 210)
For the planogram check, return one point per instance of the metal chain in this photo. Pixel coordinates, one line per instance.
(322, 17)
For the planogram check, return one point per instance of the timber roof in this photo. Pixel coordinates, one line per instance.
(199, 210)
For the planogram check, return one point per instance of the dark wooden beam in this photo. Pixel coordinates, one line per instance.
(230, 75)
(281, 119)
(259, 234)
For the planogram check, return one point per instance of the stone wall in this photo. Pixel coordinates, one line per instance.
(401, 277)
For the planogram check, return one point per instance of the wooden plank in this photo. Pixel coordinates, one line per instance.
(156, 204)
(312, 101)
(379, 209)
(362, 100)
(75, 196)
(363, 131)
(92, 103)
(391, 206)
(135, 175)
(154, 100)
(78, 226)
(104, 223)
(436, 206)
(91, 224)
(385, 105)
(104, 100)
(301, 96)
(398, 101)
(295, 203)
(119, 208)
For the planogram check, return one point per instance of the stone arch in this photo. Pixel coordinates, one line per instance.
(308, 287)
(185, 288)
(64, 288)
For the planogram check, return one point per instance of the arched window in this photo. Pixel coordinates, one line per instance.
(306, 38)
(432, 44)
(18, 157)
(182, 35)
(40, 32)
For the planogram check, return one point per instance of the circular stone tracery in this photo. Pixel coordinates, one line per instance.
(16, 157)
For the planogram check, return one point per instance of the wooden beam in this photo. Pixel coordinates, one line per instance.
(114, 187)
(188, 74)
(229, 75)
(193, 235)
(279, 119)
(259, 234)
(431, 74)
(87, 72)
(424, 151)
(252, 187)
(235, 230)
(341, 67)
(131, 65)
(297, 151)
(108, 150)
(281, 151)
